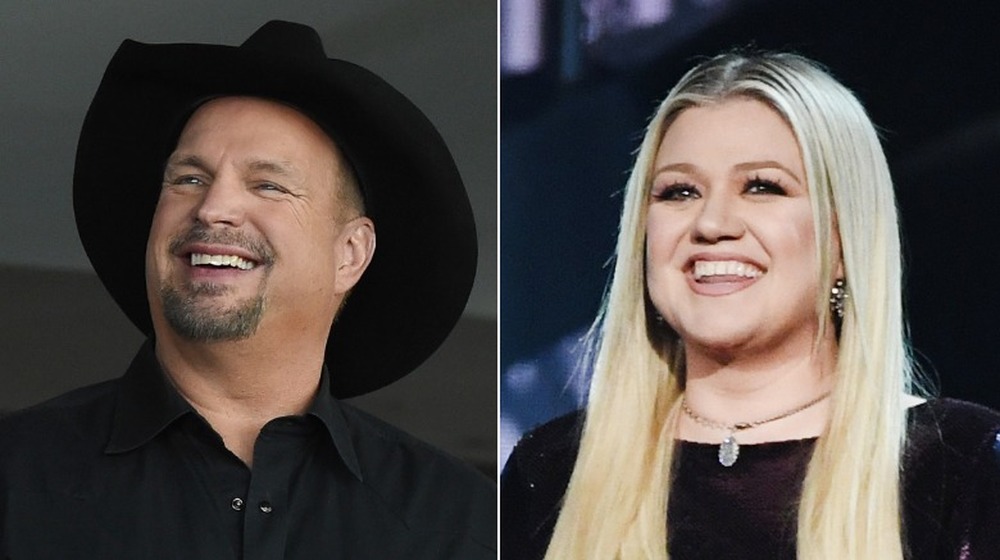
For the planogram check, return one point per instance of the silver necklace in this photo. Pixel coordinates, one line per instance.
(729, 449)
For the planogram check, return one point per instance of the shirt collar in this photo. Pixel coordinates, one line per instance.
(329, 411)
(147, 403)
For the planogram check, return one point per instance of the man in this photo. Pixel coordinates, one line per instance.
(277, 170)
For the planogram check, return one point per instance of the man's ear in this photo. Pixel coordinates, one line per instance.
(357, 246)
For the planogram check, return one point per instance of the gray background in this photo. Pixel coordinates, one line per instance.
(58, 327)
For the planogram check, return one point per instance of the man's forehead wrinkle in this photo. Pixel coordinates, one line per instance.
(279, 167)
(185, 160)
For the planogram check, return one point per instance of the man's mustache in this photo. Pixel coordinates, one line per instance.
(259, 248)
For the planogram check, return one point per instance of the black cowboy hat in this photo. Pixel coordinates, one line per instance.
(417, 285)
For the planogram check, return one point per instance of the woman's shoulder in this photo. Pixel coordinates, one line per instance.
(951, 473)
(954, 426)
(953, 435)
(533, 483)
(544, 457)
(557, 436)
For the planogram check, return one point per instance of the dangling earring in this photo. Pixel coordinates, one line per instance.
(838, 293)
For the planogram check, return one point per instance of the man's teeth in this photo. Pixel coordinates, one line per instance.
(725, 268)
(221, 260)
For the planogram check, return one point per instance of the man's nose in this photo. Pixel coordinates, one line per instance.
(223, 202)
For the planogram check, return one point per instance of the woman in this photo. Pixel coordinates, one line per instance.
(752, 395)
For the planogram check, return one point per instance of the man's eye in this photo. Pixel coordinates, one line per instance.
(678, 192)
(271, 187)
(188, 180)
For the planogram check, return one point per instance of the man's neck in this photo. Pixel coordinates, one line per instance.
(240, 386)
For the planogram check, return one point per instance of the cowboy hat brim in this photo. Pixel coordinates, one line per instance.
(419, 280)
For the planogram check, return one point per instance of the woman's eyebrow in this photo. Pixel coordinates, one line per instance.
(766, 164)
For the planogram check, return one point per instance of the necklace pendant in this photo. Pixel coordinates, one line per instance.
(729, 451)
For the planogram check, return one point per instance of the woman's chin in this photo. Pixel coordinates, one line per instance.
(721, 345)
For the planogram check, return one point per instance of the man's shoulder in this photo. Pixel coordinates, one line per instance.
(425, 486)
(377, 440)
(61, 423)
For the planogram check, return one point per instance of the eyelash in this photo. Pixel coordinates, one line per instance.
(678, 192)
(768, 186)
(272, 187)
(186, 180)
(684, 191)
(196, 181)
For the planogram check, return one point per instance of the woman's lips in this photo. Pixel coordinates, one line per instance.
(704, 270)
(722, 277)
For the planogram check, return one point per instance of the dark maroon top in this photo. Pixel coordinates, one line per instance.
(951, 490)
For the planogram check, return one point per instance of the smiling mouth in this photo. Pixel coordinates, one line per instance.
(721, 270)
(221, 261)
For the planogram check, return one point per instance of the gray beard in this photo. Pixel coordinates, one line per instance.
(196, 320)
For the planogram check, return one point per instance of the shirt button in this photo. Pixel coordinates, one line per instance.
(237, 504)
(265, 507)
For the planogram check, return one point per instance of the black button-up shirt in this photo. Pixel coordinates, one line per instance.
(127, 469)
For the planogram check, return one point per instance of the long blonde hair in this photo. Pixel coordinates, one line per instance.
(616, 502)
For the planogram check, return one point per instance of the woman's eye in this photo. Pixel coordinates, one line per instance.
(764, 186)
(678, 192)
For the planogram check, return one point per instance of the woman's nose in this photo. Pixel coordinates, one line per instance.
(718, 219)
